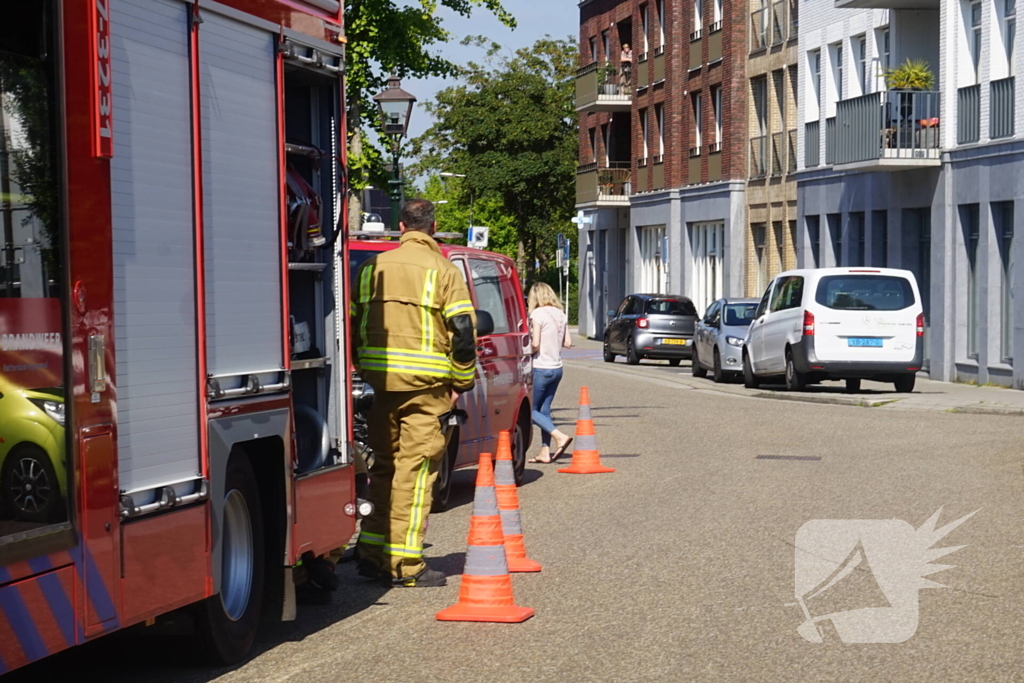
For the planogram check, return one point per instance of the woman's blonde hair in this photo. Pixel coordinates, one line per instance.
(541, 294)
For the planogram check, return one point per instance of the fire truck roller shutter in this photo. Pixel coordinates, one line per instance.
(154, 278)
(241, 192)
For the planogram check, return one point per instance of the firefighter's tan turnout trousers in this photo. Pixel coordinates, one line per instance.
(408, 442)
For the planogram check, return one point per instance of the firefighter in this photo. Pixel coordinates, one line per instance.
(416, 346)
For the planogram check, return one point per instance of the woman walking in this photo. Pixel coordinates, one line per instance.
(549, 332)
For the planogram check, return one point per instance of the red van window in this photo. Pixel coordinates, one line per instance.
(487, 279)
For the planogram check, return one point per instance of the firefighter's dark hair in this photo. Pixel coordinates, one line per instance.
(418, 214)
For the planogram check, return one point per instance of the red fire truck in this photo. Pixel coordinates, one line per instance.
(174, 405)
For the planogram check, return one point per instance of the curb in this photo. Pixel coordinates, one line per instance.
(987, 410)
(828, 400)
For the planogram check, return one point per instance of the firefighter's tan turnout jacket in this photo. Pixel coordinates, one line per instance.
(415, 324)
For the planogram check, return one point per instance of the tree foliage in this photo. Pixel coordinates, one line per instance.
(386, 37)
(510, 127)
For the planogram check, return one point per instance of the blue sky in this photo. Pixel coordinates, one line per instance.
(558, 18)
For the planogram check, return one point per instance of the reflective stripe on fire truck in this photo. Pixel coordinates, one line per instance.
(426, 306)
(458, 308)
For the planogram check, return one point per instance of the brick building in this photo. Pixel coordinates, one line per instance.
(663, 160)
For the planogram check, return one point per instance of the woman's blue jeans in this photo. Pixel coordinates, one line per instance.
(545, 384)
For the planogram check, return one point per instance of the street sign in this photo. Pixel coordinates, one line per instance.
(581, 220)
(478, 237)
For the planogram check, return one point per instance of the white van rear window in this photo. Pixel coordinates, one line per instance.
(865, 292)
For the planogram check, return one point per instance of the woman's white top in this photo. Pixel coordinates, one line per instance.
(552, 323)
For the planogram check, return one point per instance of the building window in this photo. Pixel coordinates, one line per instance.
(780, 244)
(837, 70)
(857, 239)
(707, 244)
(880, 238)
(698, 15)
(975, 39)
(814, 238)
(645, 26)
(593, 145)
(1002, 219)
(653, 271)
(659, 115)
(716, 103)
(861, 44)
(814, 66)
(835, 235)
(884, 56)
(661, 23)
(759, 233)
(593, 49)
(969, 223)
(698, 121)
(606, 44)
(1010, 33)
(643, 131)
(717, 11)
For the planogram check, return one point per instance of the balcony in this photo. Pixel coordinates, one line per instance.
(602, 86)
(604, 184)
(1001, 106)
(759, 156)
(896, 130)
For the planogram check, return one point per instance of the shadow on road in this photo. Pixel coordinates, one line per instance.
(464, 485)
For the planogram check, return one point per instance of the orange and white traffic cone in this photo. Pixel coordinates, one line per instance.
(585, 457)
(486, 591)
(508, 506)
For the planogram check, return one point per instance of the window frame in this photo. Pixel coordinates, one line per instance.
(509, 323)
(698, 119)
(645, 25)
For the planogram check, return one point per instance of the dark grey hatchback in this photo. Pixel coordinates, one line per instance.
(656, 326)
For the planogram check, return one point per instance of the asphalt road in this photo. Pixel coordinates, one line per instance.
(680, 566)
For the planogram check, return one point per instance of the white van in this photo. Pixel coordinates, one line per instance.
(837, 323)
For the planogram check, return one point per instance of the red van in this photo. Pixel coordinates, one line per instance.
(504, 371)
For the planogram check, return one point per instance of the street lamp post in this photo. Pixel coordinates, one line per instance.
(446, 174)
(395, 109)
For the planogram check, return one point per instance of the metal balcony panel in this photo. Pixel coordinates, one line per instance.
(886, 131)
(812, 144)
(1001, 106)
(968, 114)
(600, 86)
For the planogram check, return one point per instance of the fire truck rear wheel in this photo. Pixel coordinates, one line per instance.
(227, 622)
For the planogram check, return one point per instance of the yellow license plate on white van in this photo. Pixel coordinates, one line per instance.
(676, 342)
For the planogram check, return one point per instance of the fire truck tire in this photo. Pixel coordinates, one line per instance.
(227, 622)
(443, 483)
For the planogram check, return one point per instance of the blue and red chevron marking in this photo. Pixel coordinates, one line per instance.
(37, 612)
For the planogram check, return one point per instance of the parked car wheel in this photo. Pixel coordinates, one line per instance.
(609, 357)
(905, 383)
(519, 446)
(853, 385)
(443, 483)
(795, 380)
(29, 483)
(718, 375)
(750, 380)
(696, 369)
(631, 356)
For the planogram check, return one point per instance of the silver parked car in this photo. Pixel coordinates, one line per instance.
(718, 338)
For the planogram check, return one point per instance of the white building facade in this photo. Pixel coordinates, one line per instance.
(927, 179)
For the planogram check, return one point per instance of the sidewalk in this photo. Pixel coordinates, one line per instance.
(927, 394)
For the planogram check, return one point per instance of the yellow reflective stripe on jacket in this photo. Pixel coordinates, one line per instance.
(403, 368)
(458, 308)
(417, 514)
(353, 310)
(426, 310)
(365, 280)
(391, 353)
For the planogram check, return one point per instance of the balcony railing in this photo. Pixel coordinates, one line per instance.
(778, 153)
(830, 140)
(759, 29)
(897, 128)
(759, 156)
(1001, 106)
(968, 114)
(812, 144)
(607, 182)
(604, 86)
(791, 151)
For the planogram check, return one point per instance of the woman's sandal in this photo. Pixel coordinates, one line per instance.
(541, 462)
(561, 449)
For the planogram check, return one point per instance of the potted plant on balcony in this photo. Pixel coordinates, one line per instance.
(605, 182)
(607, 80)
(911, 77)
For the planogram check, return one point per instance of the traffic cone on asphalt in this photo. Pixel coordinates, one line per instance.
(508, 506)
(486, 591)
(585, 457)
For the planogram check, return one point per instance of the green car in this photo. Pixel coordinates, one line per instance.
(33, 465)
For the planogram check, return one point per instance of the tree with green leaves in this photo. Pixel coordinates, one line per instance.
(510, 127)
(384, 38)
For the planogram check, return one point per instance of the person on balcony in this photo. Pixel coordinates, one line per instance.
(625, 66)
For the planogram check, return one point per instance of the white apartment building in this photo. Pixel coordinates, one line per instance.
(928, 179)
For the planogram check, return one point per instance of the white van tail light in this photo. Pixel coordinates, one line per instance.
(920, 324)
(808, 324)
